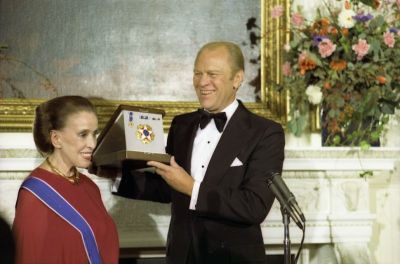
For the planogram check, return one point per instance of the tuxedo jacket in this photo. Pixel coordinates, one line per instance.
(232, 201)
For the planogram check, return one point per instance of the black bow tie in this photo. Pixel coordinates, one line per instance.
(219, 119)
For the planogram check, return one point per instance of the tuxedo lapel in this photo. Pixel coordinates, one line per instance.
(186, 137)
(234, 138)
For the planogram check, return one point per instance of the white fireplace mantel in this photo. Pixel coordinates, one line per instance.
(351, 217)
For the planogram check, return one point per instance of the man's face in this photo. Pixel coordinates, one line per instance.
(213, 81)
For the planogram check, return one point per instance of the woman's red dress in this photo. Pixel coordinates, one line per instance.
(44, 237)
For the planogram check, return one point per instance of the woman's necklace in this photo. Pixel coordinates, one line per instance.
(73, 179)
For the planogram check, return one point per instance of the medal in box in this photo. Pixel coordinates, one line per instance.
(134, 135)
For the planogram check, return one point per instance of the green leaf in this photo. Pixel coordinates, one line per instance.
(336, 140)
(388, 108)
(364, 145)
(375, 135)
(297, 125)
(376, 23)
(367, 173)
(362, 36)
(332, 113)
(295, 42)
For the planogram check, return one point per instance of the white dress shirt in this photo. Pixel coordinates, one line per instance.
(204, 144)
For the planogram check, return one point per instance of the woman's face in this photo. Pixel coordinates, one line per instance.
(76, 141)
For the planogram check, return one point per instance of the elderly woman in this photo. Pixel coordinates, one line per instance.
(60, 217)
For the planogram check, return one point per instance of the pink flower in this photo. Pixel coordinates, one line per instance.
(277, 11)
(398, 3)
(286, 69)
(361, 48)
(326, 48)
(297, 19)
(388, 38)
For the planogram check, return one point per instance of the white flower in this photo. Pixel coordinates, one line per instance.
(314, 94)
(346, 18)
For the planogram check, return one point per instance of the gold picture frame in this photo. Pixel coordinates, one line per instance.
(16, 115)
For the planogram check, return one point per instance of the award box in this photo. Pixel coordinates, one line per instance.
(134, 135)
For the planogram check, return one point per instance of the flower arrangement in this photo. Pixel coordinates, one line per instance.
(347, 62)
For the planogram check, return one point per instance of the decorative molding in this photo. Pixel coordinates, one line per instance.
(30, 158)
(275, 33)
(16, 115)
(333, 197)
(338, 164)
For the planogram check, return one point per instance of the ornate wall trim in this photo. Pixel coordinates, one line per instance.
(16, 115)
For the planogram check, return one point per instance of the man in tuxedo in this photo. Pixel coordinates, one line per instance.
(216, 181)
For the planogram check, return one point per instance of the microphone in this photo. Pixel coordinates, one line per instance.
(286, 198)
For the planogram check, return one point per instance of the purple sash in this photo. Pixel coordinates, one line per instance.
(50, 197)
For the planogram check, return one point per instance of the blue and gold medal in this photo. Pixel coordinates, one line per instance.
(145, 133)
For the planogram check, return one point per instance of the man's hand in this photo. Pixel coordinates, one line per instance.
(174, 175)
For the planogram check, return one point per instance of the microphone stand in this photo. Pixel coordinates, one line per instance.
(289, 209)
(286, 240)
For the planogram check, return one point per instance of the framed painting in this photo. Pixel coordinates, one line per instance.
(137, 53)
